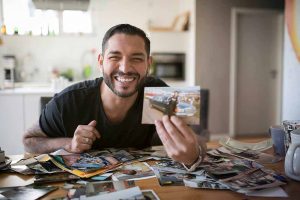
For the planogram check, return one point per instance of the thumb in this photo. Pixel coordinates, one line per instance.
(93, 123)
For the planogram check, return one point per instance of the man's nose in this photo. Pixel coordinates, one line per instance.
(125, 65)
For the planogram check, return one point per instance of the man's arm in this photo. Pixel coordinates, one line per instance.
(36, 141)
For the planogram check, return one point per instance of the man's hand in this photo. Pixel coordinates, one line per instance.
(83, 138)
(179, 140)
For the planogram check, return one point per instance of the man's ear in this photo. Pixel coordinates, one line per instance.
(100, 61)
(150, 60)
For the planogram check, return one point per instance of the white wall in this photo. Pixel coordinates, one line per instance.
(213, 53)
(42, 53)
(291, 81)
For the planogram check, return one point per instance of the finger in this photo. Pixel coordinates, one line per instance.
(172, 130)
(82, 132)
(93, 123)
(182, 127)
(88, 128)
(162, 133)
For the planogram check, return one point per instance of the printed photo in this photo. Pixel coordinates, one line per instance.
(150, 195)
(183, 102)
(133, 171)
(251, 180)
(107, 187)
(204, 182)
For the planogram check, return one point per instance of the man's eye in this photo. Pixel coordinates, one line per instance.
(113, 58)
(137, 59)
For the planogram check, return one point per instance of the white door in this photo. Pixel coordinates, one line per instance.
(256, 70)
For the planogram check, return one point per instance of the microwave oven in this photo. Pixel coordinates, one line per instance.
(168, 65)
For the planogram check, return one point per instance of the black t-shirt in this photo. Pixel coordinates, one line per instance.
(81, 103)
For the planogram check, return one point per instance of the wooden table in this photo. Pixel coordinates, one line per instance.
(168, 192)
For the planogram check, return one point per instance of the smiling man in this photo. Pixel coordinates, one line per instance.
(107, 112)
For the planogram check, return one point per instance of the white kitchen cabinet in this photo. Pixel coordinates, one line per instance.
(11, 123)
(31, 109)
(19, 110)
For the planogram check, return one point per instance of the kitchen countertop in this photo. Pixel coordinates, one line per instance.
(30, 88)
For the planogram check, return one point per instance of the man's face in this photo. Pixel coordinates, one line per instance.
(124, 64)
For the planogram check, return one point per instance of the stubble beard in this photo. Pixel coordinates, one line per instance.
(109, 82)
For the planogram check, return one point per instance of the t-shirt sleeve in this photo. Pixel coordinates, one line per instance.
(51, 121)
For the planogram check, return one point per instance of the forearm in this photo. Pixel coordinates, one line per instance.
(36, 141)
(45, 144)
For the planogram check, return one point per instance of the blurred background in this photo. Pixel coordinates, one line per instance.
(242, 51)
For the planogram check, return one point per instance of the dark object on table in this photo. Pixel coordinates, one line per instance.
(4, 161)
(50, 178)
(28, 192)
(2, 156)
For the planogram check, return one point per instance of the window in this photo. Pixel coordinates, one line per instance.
(21, 17)
(76, 22)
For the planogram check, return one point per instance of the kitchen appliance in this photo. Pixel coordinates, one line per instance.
(168, 65)
(9, 63)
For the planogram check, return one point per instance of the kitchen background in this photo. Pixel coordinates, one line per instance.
(202, 31)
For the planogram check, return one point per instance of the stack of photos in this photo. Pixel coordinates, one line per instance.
(218, 171)
(252, 179)
(257, 156)
(183, 102)
(86, 165)
(241, 175)
(173, 174)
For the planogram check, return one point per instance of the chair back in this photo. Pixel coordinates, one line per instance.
(204, 105)
(43, 102)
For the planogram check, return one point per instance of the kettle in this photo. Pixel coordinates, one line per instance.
(292, 158)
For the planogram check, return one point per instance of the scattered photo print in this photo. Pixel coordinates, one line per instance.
(204, 182)
(252, 179)
(150, 195)
(107, 187)
(28, 192)
(133, 171)
(92, 161)
(183, 102)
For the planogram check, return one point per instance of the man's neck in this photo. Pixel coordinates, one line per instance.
(115, 107)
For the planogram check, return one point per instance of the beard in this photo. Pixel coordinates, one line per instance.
(108, 79)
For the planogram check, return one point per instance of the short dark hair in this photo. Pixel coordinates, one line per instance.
(129, 30)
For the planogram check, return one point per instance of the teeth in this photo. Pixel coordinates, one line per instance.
(124, 79)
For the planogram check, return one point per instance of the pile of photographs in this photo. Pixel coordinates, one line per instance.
(220, 171)
(111, 173)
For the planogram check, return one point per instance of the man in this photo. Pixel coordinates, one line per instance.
(106, 112)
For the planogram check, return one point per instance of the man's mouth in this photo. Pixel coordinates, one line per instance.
(124, 79)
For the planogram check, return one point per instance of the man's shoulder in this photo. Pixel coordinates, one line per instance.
(80, 88)
(151, 81)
